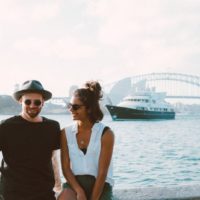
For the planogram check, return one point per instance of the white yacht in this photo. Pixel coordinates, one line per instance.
(145, 104)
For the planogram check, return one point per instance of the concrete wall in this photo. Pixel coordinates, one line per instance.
(186, 192)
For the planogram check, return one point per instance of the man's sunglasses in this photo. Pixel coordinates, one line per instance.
(36, 102)
(74, 106)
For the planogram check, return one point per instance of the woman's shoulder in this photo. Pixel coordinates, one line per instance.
(104, 129)
(72, 127)
(104, 126)
(107, 131)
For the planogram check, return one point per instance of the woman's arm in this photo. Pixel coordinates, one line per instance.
(57, 186)
(107, 143)
(67, 172)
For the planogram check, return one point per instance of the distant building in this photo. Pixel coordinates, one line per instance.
(72, 89)
(16, 87)
(121, 89)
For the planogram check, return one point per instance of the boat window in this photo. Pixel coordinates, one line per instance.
(128, 99)
(141, 108)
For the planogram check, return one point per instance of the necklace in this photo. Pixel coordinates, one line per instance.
(82, 142)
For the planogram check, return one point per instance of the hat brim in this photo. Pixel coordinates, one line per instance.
(46, 94)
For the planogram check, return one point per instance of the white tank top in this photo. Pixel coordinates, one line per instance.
(87, 164)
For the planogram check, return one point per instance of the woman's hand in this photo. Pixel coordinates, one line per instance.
(67, 194)
(81, 195)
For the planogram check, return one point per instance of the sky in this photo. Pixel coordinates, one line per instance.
(67, 42)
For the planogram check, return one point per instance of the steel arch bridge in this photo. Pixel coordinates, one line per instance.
(176, 85)
(191, 79)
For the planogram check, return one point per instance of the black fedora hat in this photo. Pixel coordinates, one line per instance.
(32, 86)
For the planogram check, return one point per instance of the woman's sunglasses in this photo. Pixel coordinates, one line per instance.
(74, 106)
(36, 102)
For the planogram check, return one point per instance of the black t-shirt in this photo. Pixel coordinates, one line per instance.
(27, 150)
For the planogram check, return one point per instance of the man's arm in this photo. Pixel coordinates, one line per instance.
(1, 137)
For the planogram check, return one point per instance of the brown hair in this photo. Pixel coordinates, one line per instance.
(90, 96)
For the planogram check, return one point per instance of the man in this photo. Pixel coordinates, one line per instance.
(27, 142)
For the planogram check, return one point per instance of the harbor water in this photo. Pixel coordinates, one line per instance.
(153, 153)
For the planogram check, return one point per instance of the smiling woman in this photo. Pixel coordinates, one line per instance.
(86, 148)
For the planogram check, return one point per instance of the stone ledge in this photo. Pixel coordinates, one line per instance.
(185, 192)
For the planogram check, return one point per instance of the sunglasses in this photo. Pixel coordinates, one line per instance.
(36, 102)
(74, 106)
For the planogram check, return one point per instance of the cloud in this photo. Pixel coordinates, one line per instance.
(121, 21)
(63, 48)
(98, 39)
(71, 48)
(22, 12)
(44, 12)
(150, 35)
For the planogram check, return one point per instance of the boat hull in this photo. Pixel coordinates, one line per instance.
(123, 113)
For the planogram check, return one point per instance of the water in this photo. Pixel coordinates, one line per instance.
(153, 153)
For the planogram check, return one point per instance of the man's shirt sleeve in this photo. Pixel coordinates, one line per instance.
(57, 137)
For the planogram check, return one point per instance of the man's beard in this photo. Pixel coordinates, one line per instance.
(33, 114)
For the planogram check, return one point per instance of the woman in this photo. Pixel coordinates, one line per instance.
(86, 148)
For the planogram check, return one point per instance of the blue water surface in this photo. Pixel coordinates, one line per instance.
(153, 153)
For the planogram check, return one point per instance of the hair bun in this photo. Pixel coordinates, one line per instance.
(94, 87)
